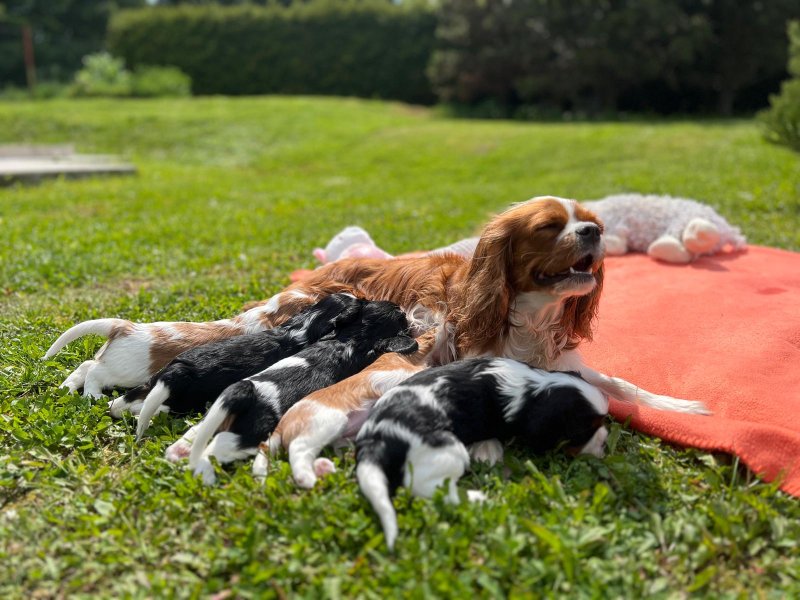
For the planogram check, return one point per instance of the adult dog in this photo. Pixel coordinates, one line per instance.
(529, 292)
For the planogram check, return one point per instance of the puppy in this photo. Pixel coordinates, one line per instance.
(135, 352)
(196, 377)
(247, 412)
(338, 411)
(417, 432)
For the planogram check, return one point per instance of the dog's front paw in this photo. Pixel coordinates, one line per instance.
(323, 467)
(695, 407)
(487, 451)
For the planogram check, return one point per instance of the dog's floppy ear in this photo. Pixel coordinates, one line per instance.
(580, 313)
(402, 344)
(350, 313)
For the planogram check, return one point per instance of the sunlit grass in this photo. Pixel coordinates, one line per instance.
(231, 196)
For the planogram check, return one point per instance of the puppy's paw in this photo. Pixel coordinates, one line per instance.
(117, 407)
(476, 496)
(260, 466)
(205, 470)
(487, 451)
(323, 467)
(178, 451)
(306, 480)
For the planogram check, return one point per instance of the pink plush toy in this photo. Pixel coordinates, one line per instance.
(350, 242)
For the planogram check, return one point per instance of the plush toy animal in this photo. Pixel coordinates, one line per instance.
(675, 230)
(350, 242)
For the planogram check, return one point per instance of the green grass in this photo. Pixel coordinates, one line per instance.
(231, 196)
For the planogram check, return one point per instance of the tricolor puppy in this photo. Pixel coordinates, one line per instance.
(417, 433)
(337, 412)
(247, 412)
(196, 377)
(135, 352)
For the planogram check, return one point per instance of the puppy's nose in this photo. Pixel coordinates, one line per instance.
(589, 232)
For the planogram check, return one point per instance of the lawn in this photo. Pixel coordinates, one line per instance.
(233, 194)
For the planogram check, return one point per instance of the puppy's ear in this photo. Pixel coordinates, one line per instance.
(402, 344)
(350, 313)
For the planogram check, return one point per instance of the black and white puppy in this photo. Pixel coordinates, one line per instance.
(196, 377)
(417, 433)
(247, 412)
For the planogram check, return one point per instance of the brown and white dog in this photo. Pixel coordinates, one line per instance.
(530, 292)
(337, 412)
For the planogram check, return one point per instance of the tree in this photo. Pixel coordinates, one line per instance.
(744, 44)
(63, 32)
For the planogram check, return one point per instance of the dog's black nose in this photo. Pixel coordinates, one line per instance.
(589, 231)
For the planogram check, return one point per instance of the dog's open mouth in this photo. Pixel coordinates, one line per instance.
(579, 272)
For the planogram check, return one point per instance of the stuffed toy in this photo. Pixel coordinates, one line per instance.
(675, 230)
(350, 242)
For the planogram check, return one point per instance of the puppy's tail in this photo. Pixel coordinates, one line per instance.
(102, 327)
(375, 486)
(198, 460)
(157, 396)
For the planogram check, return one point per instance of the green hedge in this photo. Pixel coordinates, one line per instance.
(367, 49)
(782, 121)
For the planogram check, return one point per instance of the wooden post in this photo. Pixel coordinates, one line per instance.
(30, 62)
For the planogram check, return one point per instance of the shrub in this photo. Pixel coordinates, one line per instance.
(44, 90)
(369, 48)
(598, 57)
(102, 75)
(160, 81)
(781, 121)
(106, 75)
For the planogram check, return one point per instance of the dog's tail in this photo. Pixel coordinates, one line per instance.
(198, 459)
(380, 469)
(375, 486)
(157, 396)
(102, 327)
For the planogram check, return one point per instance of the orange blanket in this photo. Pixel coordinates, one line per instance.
(725, 330)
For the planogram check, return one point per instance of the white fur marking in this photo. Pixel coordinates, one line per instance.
(383, 381)
(287, 363)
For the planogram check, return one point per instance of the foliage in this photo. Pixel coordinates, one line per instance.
(106, 75)
(44, 90)
(63, 30)
(368, 49)
(232, 194)
(160, 81)
(102, 75)
(743, 50)
(782, 120)
(675, 55)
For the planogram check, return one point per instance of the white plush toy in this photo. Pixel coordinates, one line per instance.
(675, 230)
